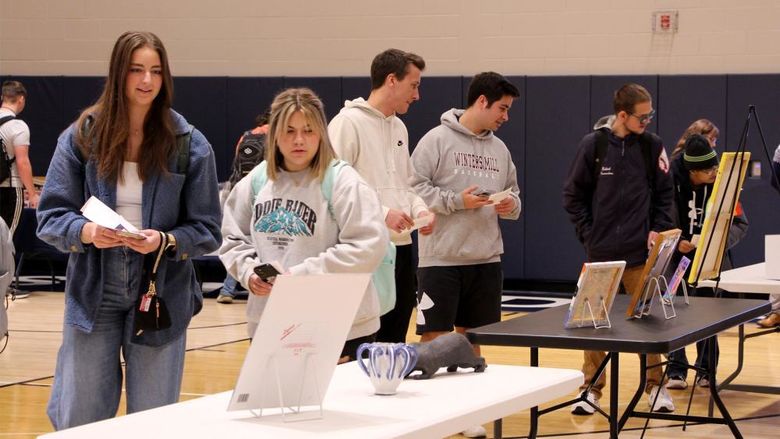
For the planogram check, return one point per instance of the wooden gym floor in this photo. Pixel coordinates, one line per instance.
(216, 344)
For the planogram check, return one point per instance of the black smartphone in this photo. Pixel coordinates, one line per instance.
(266, 272)
(481, 192)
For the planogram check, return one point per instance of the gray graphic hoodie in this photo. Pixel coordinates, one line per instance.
(447, 160)
(289, 222)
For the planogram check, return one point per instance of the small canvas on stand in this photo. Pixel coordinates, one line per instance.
(653, 273)
(596, 289)
(298, 342)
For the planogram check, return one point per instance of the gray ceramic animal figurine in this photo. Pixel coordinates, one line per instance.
(451, 350)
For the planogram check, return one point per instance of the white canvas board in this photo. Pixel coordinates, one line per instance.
(772, 256)
(298, 340)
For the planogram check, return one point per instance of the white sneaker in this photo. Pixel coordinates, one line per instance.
(224, 298)
(664, 402)
(703, 382)
(15, 294)
(676, 383)
(475, 431)
(583, 408)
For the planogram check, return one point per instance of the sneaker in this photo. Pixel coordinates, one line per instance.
(16, 294)
(475, 431)
(664, 402)
(676, 383)
(703, 382)
(770, 321)
(585, 409)
(224, 298)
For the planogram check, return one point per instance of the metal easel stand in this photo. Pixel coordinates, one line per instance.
(666, 304)
(651, 289)
(297, 412)
(596, 324)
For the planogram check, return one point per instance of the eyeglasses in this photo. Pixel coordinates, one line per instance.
(644, 118)
(711, 170)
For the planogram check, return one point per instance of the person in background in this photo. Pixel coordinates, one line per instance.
(619, 198)
(15, 137)
(694, 171)
(369, 135)
(773, 319)
(138, 156)
(284, 216)
(250, 151)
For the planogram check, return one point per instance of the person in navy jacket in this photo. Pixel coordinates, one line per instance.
(618, 206)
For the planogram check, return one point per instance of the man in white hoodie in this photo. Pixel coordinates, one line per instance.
(368, 135)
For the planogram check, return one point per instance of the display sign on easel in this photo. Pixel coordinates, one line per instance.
(718, 217)
(596, 288)
(297, 343)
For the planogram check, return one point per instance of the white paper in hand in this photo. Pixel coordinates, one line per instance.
(421, 222)
(498, 196)
(102, 215)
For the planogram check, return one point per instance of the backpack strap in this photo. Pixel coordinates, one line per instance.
(183, 141)
(328, 179)
(646, 144)
(259, 178)
(6, 119)
(2, 121)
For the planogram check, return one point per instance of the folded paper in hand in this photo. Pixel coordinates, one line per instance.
(102, 215)
(498, 196)
(421, 222)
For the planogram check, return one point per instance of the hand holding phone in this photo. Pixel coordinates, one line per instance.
(481, 192)
(266, 272)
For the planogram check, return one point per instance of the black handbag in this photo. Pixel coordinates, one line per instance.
(151, 314)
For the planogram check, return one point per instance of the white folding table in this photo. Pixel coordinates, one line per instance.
(438, 407)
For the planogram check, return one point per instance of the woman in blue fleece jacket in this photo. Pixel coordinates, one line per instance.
(144, 160)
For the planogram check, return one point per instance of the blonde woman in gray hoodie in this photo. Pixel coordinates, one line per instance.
(284, 216)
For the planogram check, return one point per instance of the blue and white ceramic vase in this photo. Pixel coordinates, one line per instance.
(387, 364)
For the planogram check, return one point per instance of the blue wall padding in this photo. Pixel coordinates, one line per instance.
(545, 126)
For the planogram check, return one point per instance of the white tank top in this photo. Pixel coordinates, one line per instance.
(128, 194)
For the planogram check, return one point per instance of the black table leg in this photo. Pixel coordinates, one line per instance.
(740, 362)
(613, 395)
(498, 429)
(639, 391)
(535, 409)
(714, 395)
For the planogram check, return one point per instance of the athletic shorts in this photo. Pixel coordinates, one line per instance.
(464, 295)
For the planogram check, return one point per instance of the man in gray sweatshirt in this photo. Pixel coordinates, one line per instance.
(458, 165)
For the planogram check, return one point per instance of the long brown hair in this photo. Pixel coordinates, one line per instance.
(106, 139)
(701, 126)
(283, 107)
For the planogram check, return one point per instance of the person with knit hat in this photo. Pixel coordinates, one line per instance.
(694, 172)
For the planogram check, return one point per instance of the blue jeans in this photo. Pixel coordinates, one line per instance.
(88, 378)
(229, 286)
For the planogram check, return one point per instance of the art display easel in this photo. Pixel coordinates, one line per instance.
(596, 289)
(295, 411)
(602, 307)
(295, 349)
